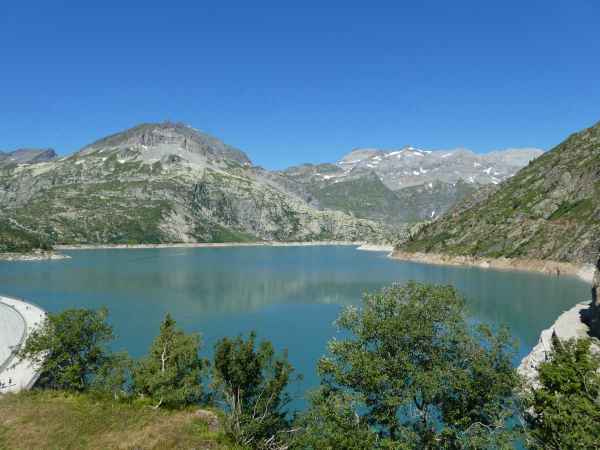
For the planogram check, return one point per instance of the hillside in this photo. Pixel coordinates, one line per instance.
(548, 210)
(405, 185)
(368, 197)
(166, 183)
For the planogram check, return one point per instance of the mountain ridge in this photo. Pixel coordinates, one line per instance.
(166, 182)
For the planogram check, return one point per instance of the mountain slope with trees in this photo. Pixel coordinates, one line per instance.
(548, 210)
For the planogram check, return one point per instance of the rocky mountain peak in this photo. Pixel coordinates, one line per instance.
(168, 138)
(27, 156)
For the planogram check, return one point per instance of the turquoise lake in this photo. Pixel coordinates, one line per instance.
(290, 295)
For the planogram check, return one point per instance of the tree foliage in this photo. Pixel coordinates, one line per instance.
(171, 374)
(112, 379)
(564, 412)
(69, 348)
(251, 381)
(422, 377)
(332, 422)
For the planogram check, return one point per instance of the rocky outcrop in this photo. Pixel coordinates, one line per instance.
(569, 325)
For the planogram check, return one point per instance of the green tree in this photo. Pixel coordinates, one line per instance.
(564, 412)
(171, 375)
(69, 348)
(332, 422)
(420, 375)
(112, 379)
(252, 382)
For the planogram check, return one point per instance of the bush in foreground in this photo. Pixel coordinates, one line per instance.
(251, 381)
(70, 348)
(564, 412)
(171, 374)
(416, 374)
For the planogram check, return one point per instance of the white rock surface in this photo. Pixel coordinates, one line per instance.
(567, 326)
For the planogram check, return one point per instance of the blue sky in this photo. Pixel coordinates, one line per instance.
(308, 82)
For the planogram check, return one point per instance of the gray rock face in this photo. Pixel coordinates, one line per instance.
(27, 156)
(167, 183)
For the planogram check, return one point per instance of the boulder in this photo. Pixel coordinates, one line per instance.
(209, 417)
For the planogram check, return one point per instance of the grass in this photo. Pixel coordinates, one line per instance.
(575, 210)
(59, 420)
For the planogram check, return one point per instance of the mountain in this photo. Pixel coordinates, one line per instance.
(405, 185)
(166, 182)
(27, 156)
(548, 210)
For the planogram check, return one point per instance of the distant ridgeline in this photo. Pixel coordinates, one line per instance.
(548, 210)
(168, 182)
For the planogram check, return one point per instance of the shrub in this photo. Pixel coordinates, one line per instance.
(564, 412)
(70, 348)
(171, 374)
(251, 382)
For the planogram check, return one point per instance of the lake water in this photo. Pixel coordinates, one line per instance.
(290, 295)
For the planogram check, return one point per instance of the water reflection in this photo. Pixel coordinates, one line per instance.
(290, 295)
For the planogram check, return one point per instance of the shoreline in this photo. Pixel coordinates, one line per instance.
(53, 255)
(584, 272)
(205, 245)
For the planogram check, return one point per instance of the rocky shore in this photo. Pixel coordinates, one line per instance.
(569, 325)
(583, 271)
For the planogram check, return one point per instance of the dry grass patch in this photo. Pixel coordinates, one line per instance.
(58, 420)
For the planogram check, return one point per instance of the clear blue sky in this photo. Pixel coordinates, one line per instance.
(309, 82)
